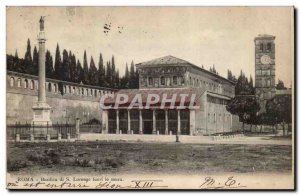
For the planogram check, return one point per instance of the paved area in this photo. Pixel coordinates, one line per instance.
(236, 139)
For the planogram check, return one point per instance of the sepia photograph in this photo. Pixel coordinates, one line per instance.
(150, 98)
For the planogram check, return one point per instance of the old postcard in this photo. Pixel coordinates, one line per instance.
(147, 98)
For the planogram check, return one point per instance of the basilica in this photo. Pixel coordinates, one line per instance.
(205, 92)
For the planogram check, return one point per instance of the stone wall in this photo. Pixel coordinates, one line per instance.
(77, 100)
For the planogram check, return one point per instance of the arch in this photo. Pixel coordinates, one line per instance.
(69, 89)
(49, 87)
(19, 82)
(55, 88)
(269, 46)
(32, 84)
(11, 81)
(25, 84)
(65, 89)
(261, 46)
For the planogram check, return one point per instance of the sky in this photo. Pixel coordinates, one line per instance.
(219, 36)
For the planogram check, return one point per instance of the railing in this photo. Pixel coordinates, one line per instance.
(90, 128)
(26, 130)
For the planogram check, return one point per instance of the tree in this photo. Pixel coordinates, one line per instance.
(244, 104)
(93, 73)
(280, 108)
(49, 65)
(246, 107)
(72, 66)
(101, 73)
(117, 80)
(132, 79)
(35, 62)
(85, 70)
(113, 73)
(65, 66)
(58, 64)
(16, 54)
(108, 74)
(79, 73)
(280, 85)
(28, 58)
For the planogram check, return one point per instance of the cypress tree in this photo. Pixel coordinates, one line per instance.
(65, 66)
(93, 76)
(35, 62)
(49, 65)
(58, 64)
(85, 69)
(78, 73)
(28, 59)
(101, 73)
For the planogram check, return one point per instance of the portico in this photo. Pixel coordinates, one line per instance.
(154, 119)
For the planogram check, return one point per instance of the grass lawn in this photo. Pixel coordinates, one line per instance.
(123, 157)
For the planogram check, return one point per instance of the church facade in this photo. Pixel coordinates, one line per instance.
(162, 78)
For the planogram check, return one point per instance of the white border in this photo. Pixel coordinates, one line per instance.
(5, 3)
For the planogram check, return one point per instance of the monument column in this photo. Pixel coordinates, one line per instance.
(41, 110)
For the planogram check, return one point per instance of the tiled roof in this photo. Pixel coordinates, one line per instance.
(131, 93)
(167, 60)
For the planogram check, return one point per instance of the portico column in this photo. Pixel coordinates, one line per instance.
(154, 123)
(128, 121)
(178, 122)
(117, 121)
(166, 122)
(105, 122)
(141, 122)
(192, 121)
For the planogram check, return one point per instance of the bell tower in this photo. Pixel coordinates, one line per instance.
(264, 69)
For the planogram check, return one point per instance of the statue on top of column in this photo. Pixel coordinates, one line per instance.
(42, 23)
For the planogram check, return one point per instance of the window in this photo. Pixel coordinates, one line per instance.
(19, 82)
(174, 80)
(162, 81)
(269, 46)
(32, 84)
(181, 80)
(82, 91)
(11, 81)
(70, 91)
(215, 117)
(190, 80)
(261, 47)
(25, 84)
(150, 81)
(268, 83)
(208, 117)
